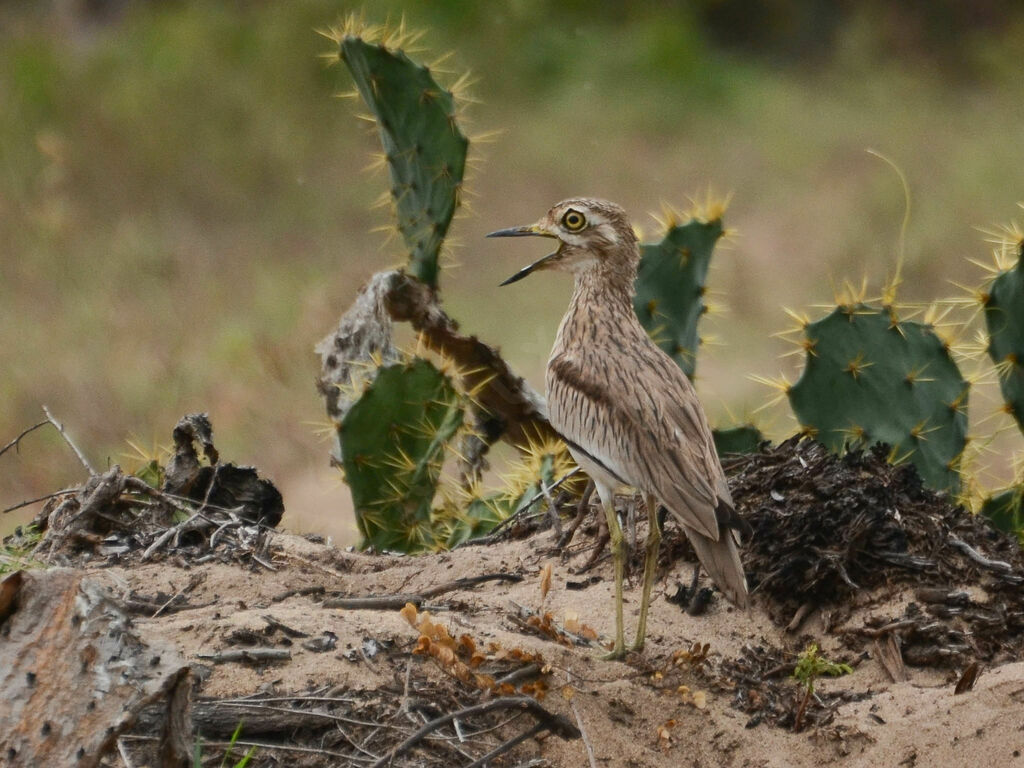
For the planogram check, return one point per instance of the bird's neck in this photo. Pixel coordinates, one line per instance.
(601, 303)
(602, 287)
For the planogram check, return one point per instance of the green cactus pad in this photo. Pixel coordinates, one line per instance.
(1005, 510)
(482, 514)
(1004, 319)
(871, 379)
(423, 146)
(670, 287)
(745, 438)
(477, 518)
(393, 442)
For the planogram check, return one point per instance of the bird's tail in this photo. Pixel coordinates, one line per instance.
(721, 559)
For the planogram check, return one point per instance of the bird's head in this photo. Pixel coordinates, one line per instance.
(593, 235)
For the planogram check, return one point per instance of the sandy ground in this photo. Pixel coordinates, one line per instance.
(632, 714)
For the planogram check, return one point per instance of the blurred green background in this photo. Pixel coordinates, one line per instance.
(183, 211)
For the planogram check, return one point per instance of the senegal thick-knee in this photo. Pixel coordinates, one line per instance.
(629, 415)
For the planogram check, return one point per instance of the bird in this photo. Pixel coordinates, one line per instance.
(628, 414)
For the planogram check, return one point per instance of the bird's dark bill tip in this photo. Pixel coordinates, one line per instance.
(513, 232)
(517, 276)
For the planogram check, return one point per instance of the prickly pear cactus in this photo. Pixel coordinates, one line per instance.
(1004, 320)
(745, 438)
(424, 149)
(670, 287)
(1005, 510)
(473, 514)
(393, 442)
(476, 518)
(870, 378)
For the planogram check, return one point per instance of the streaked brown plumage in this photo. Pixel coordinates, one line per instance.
(629, 414)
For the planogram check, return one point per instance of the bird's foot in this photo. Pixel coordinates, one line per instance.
(637, 646)
(615, 654)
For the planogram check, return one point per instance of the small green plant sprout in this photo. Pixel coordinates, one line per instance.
(424, 149)
(16, 550)
(743, 438)
(197, 754)
(810, 665)
(147, 464)
(1005, 510)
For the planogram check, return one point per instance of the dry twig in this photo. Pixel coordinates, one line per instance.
(398, 601)
(69, 441)
(557, 724)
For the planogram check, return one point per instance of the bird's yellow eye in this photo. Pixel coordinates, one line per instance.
(573, 220)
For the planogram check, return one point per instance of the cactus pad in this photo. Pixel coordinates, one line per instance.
(423, 147)
(670, 287)
(745, 438)
(1005, 510)
(1004, 320)
(870, 378)
(393, 442)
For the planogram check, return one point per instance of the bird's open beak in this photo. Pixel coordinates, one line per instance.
(527, 231)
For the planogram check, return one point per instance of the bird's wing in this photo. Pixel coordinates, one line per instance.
(643, 424)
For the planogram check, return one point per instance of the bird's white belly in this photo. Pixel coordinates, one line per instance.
(605, 482)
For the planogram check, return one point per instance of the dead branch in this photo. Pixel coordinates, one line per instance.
(398, 601)
(69, 441)
(257, 744)
(980, 559)
(579, 724)
(77, 671)
(557, 724)
(72, 519)
(516, 676)
(249, 655)
(521, 411)
(507, 745)
(176, 738)
(30, 502)
(509, 407)
(14, 443)
(194, 581)
(273, 623)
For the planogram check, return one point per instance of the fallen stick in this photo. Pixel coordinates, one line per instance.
(557, 724)
(15, 441)
(980, 559)
(247, 654)
(69, 441)
(398, 601)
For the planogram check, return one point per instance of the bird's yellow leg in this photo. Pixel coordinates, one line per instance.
(618, 545)
(650, 566)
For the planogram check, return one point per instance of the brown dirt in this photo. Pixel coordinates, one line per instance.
(857, 546)
(620, 707)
